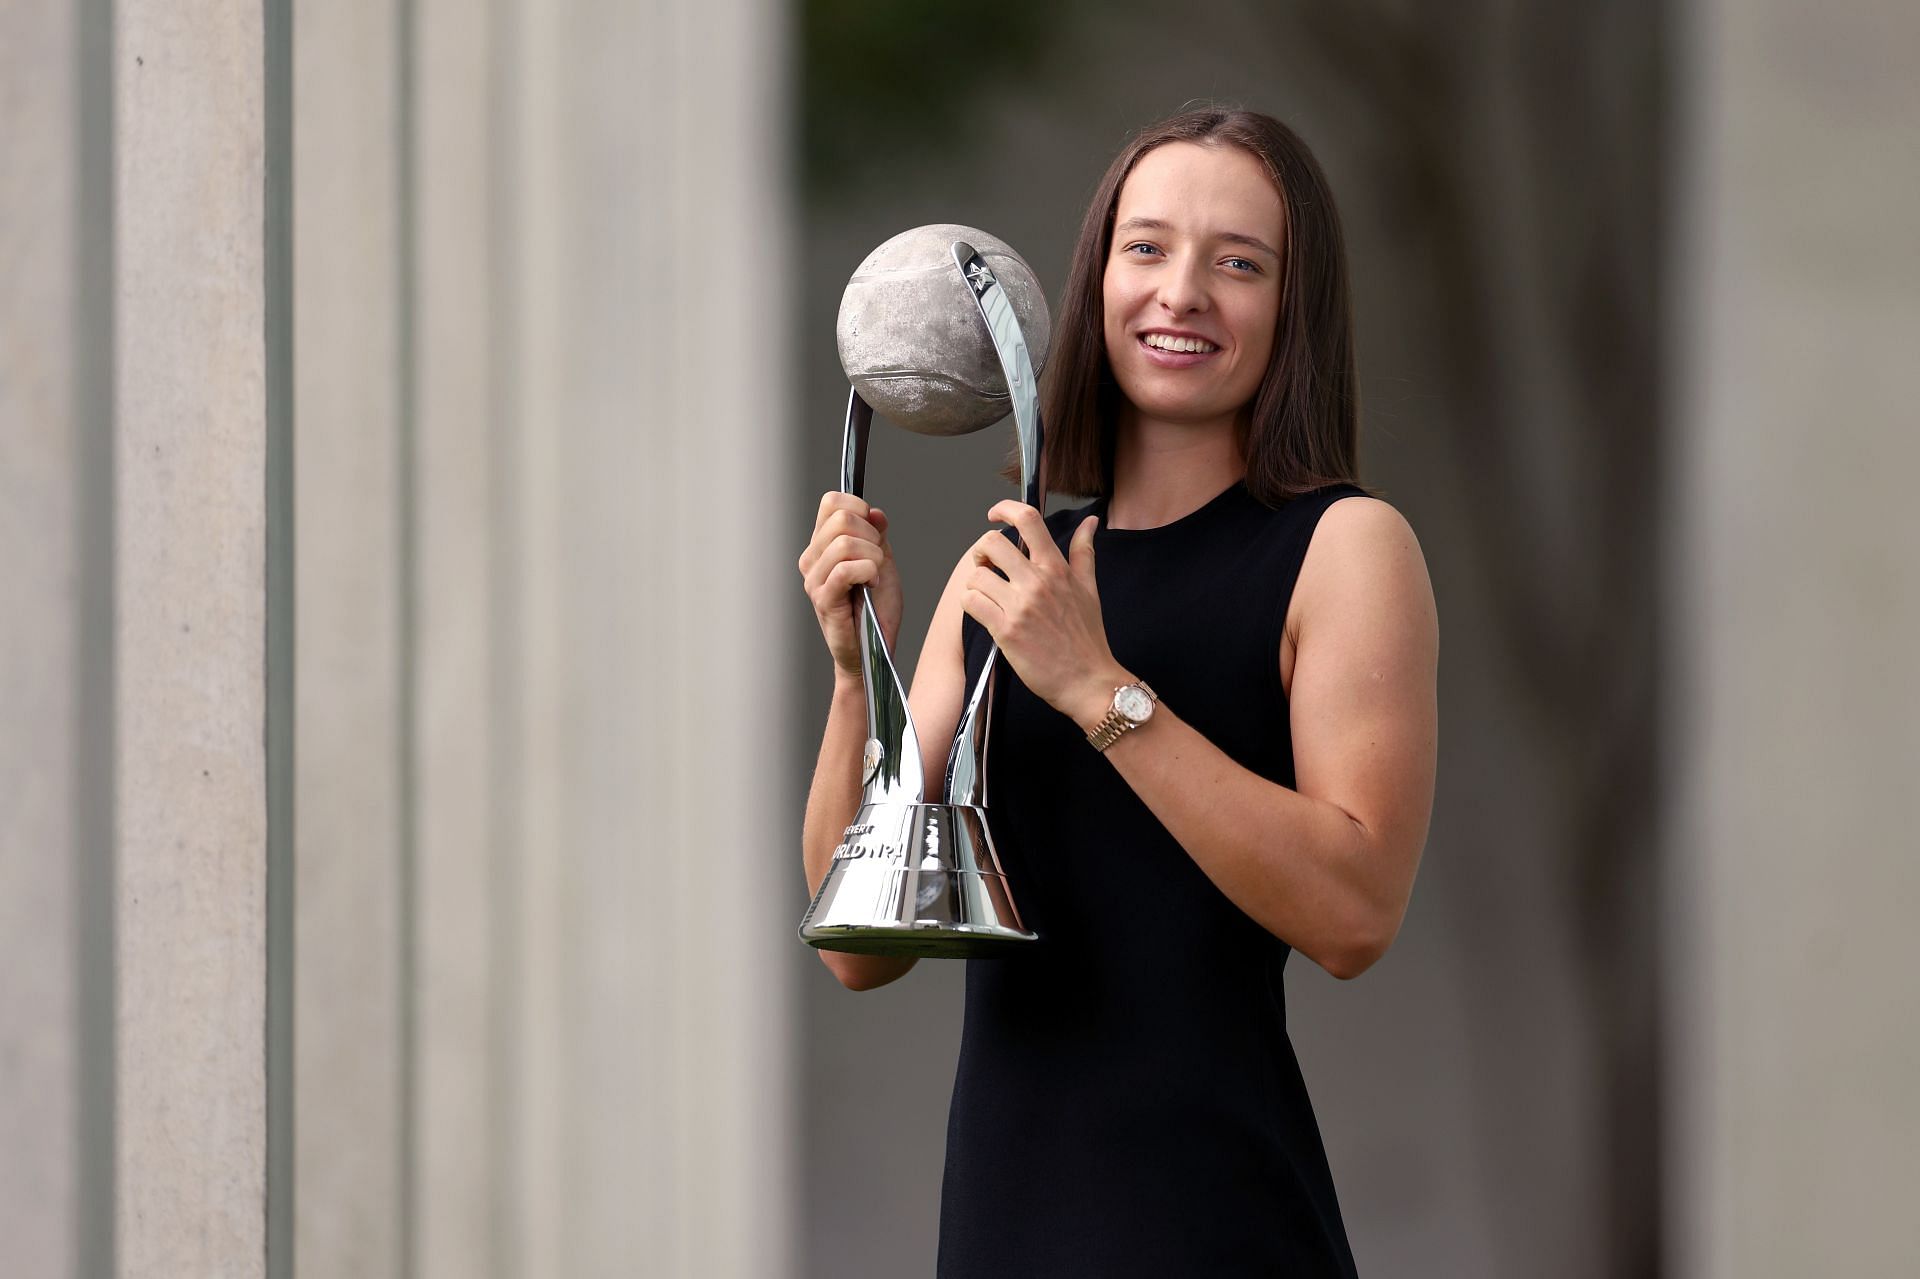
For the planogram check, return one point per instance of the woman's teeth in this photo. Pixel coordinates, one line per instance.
(1163, 342)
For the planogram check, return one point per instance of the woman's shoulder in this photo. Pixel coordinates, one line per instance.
(1362, 549)
(1359, 522)
(1351, 512)
(1344, 513)
(1363, 595)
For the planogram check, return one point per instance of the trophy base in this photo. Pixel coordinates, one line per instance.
(915, 879)
(922, 943)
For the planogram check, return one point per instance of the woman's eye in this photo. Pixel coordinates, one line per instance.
(1244, 265)
(1142, 245)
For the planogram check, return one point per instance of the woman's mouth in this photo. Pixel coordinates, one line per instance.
(1171, 352)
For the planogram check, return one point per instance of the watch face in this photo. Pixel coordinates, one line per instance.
(1133, 703)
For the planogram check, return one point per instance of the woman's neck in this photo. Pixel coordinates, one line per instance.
(1165, 470)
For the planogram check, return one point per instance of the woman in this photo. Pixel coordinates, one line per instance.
(1127, 1100)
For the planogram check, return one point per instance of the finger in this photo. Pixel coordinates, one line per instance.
(1080, 549)
(846, 521)
(835, 500)
(846, 575)
(997, 550)
(1031, 525)
(983, 609)
(983, 582)
(843, 549)
(832, 503)
(839, 521)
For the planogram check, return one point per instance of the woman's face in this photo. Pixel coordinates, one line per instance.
(1192, 285)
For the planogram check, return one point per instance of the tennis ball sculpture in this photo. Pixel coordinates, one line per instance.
(911, 337)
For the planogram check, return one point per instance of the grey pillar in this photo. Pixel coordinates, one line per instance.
(352, 873)
(198, 428)
(56, 708)
(459, 924)
(1796, 1017)
(648, 310)
(542, 1012)
(539, 714)
(147, 527)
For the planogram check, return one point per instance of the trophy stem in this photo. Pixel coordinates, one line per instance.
(892, 770)
(967, 762)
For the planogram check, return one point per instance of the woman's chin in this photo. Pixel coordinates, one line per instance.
(1181, 410)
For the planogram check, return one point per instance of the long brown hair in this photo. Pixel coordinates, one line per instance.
(1303, 432)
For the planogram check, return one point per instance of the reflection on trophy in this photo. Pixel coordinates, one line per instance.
(932, 333)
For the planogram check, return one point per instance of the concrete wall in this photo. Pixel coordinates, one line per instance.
(382, 901)
(541, 386)
(1795, 1027)
(142, 424)
(56, 802)
(352, 878)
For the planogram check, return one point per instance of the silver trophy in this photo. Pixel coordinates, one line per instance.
(911, 877)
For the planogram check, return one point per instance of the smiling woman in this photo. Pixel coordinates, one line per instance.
(1245, 191)
(1182, 293)
(1214, 739)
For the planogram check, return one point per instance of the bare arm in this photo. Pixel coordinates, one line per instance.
(1328, 865)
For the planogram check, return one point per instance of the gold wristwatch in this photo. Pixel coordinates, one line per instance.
(1132, 707)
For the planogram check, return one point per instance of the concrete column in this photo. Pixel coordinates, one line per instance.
(56, 800)
(539, 1015)
(196, 382)
(461, 937)
(594, 246)
(351, 854)
(543, 1002)
(651, 304)
(1796, 1021)
(142, 387)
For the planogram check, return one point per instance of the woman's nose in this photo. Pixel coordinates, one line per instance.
(1182, 290)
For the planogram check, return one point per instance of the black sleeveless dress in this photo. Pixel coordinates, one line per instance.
(1127, 1101)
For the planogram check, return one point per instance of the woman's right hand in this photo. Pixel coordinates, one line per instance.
(849, 548)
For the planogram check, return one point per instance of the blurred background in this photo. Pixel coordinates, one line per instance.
(411, 412)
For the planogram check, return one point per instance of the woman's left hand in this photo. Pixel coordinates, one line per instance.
(1045, 615)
